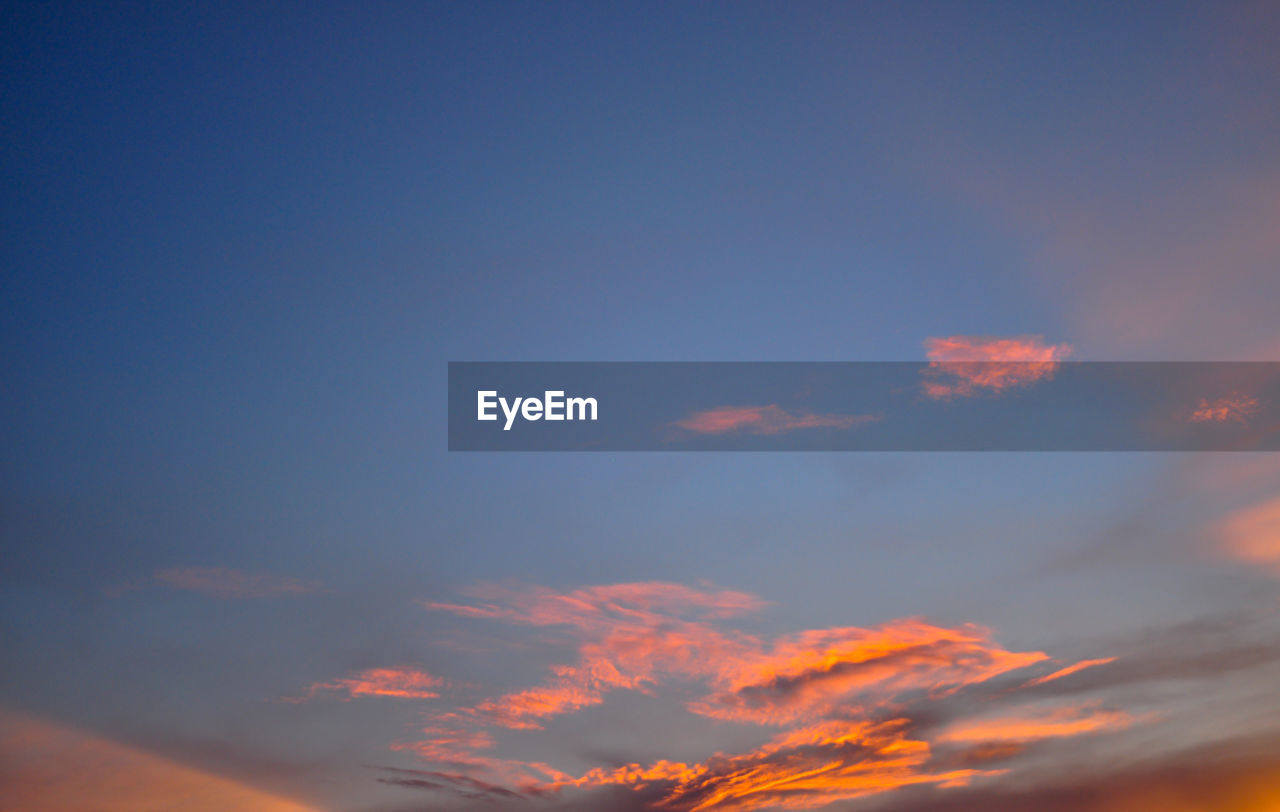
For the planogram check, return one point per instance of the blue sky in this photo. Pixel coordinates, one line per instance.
(242, 242)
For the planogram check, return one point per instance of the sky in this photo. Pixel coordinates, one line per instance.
(241, 568)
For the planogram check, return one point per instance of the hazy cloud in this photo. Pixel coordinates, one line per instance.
(770, 419)
(220, 582)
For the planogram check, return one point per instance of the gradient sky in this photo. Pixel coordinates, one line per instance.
(242, 241)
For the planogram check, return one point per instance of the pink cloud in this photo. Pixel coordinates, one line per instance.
(397, 681)
(961, 366)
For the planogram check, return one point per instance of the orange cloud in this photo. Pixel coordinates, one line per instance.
(1071, 669)
(632, 636)
(220, 582)
(1252, 535)
(46, 767)
(771, 419)
(961, 366)
(398, 681)
(1034, 725)
(802, 769)
(813, 672)
(830, 690)
(1234, 408)
(628, 635)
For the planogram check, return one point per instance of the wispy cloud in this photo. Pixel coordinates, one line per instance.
(628, 633)
(220, 582)
(1067, 671)
(464, 786)
(963, 366)
(767, 420)
(402, 682)
(1034, 724)
(1240, 775)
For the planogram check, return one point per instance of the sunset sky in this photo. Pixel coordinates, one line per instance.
(241, 570)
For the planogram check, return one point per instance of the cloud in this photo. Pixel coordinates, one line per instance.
(771, 419)
(814, 672)
(628, 635)
(905, 709)
(463, 786)
(1252, 535)
(1033, 724)
(962, 366)
(47, 767)
(596, 606)
(1206, 649)
(848, 704)
(1235, 408)
(220, 582)
(801, 769)
(1069, 670)
(1234, 775)
(402, 682)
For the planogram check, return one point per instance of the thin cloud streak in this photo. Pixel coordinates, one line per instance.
(402, 682)
(766, 420)
(1029, 725)
(220, 582)
(1069, 670)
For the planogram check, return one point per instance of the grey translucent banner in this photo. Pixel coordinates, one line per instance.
(865, 406)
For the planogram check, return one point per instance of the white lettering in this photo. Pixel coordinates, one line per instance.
(554, 401)
(551, 406)
(510, 413)
(582, 404)
(484, 404)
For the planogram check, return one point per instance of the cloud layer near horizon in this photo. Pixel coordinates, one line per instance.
(48, 767)
(846, 712)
